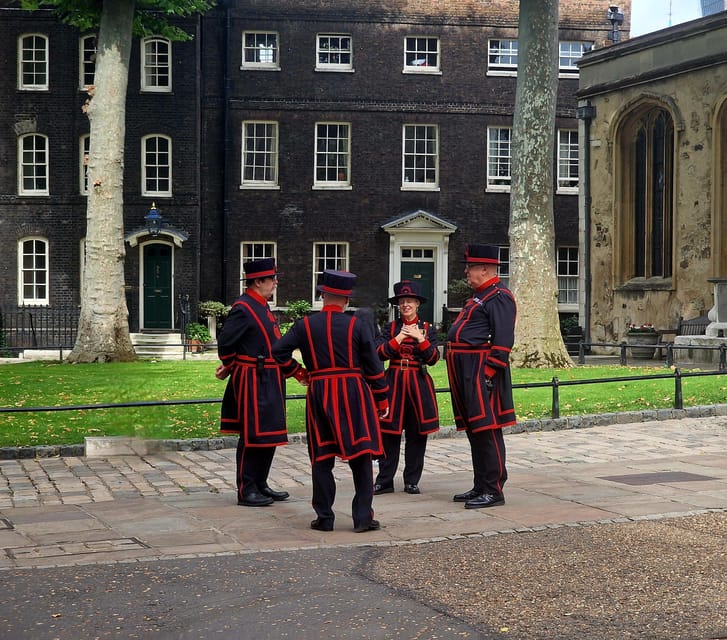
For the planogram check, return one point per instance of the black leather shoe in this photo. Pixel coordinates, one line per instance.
(254, 499)
(411, 488)
(373, 525)
(321, 525)
(275, 495)
(485, 500)
(467, 495)
(380, 488)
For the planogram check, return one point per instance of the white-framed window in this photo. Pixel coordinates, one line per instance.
(503, 269)
(260, 50)
(327, 255)
(499, 158)
(502, 57)
(33, 271)
(567, 160)
(568, 275)
(421, 55)
(156, 165)
(420, 157)
(259, 154)
(257, 251)
(33, 62)
(334, 52)
(33, 165)
(84, 149)
(570, 54)
(86, 61)
(333, 155)
(156, 64)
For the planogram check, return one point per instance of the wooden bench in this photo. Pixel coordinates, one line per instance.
(692, 327)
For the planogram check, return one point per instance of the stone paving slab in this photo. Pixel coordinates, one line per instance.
(63, 511)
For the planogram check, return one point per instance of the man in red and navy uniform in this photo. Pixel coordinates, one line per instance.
(254, 402)
(409, 345)
(346, 395)
(478, 366)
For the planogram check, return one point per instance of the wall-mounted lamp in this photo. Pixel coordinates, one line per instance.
(153, 221)
(616, 18)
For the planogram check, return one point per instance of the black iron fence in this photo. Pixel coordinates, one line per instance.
(28, 327)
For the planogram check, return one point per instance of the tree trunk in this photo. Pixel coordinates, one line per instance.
(538, 341)
(103, 329)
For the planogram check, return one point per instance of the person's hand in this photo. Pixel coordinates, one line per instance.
(222, 371)
(302, 376)
(413, 331)
(383, 413)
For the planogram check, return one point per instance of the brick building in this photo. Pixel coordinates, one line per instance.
(372, 136)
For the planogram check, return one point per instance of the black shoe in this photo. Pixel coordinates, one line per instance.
(467, 495)
(380, 488)
(411, 488)
(254, 499)
(485, 500)
(373, 525)
(275, 495)
(321, 525)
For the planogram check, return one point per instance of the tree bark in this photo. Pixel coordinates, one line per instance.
(103, 330)
(538, 341)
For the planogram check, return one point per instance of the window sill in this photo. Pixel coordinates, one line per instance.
(422, 71)
(267, 187)
(497, 188)
(331, 187)
(155, 90)
(333, 69)
(410, 186)
(502, 73)
(259, 68)
(647, 284)
(567, 191)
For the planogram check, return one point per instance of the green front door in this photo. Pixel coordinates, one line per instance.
(157, 286)
(422, 272)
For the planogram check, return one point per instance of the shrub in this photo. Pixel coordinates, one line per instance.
(197, 331)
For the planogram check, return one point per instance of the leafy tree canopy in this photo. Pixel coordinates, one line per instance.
(150, 17)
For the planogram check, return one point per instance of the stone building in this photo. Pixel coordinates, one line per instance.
(655, 120)
(372, 136)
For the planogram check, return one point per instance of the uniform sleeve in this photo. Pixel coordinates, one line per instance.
(386, 346)
(429, 347)
(371, 367)
(233, 331)
(502, 311)
(283, 348)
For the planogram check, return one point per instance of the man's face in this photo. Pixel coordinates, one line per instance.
(476, 274)
(266, 286)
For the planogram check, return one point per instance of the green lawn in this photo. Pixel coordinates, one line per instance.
(38, 384)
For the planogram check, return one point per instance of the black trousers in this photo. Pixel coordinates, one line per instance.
(488, 460)
(253, 467)
(415, 447)
(324, 489)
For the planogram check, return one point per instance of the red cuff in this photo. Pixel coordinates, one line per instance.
(395, 346)
(382, 405)
(489, 371)
(424, 345)
(301, 375)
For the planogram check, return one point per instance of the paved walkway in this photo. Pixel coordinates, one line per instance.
(74, 510)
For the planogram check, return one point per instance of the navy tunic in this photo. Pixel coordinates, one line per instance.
(346, 383)
(478, 359)
(408, 379)
(254, 400)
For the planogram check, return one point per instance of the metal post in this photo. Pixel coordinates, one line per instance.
(622, 358)
(669, 355)
(581, 353)
(723, 357)
(678, 397)
(555, 410)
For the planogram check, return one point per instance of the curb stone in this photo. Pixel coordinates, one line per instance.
(525, 426)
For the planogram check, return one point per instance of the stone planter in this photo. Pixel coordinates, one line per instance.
(639, 343)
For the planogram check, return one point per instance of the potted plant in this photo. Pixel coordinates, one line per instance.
(215, 312)
(572, 334)
(197, 336)
(640, 336)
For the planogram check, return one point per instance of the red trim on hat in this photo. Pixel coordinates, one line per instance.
(261, 274)
(482, 260)
(338, 292)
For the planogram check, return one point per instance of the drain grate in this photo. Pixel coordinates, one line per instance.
(658, 477)
(75, 548)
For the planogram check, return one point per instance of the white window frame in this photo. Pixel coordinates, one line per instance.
(257, 250)
(412, 158)
(503, 269)
(32, 271)
(147, 168)
(419, 55)
(39, 164)
(499, 159)
(568, 173)
(259, 143)
(502, 57)
(86, 61)
(332, 152)
(567, 260)
(36, 58)
(84, 149)
(336, 257)
(569, 52)
(262, 50)
(156, 71)
(330, 45)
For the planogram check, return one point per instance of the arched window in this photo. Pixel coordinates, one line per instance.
(646, 204)
(156, 166)
(33, 271)
(33, 165)
(33, 62)
(156, 65)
